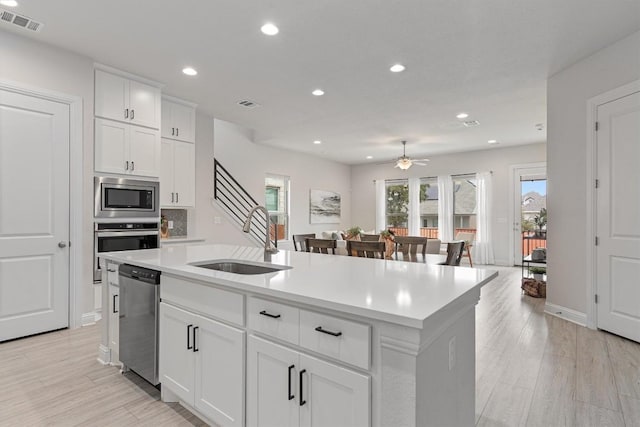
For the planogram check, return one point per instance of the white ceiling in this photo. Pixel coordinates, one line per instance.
(489, 58)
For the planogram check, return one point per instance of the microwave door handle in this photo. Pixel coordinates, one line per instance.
(126, 233)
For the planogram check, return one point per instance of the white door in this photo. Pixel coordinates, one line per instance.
(144, 151)
(34, 215)
(167, 194)
(333, 396)
(618, 216)
(184, 175)
(111, 96)
(111, 146)
(176, 351)
(272, 385)
(219, 359)
(144, 104)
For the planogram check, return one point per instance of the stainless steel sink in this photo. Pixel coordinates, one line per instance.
(240, 267)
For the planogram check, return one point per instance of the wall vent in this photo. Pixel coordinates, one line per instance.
(471, 123)
(248, 104)
(20, 20)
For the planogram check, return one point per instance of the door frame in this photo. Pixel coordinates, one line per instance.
(76, 179)
(591, 176)
(515, 171)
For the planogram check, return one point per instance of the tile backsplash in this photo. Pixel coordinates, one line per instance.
(179, 218)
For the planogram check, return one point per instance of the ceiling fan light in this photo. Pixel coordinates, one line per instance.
(404, 163)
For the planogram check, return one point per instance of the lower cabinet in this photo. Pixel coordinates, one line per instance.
(114, 322)
(287, 388)
(202, 362)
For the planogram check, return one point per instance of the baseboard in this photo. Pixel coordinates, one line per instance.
(90, 318)
(503, 262)
(104, 354)
(566, 314)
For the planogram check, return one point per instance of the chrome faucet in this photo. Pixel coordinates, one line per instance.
(268, 249)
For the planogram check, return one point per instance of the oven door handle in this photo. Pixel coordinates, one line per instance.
(126, 233)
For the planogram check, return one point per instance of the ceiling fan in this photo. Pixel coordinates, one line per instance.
(405, 162)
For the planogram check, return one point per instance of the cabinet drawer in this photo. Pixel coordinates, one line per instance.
(277, 320)
(112, 273)
(338, 338)
(205, 299)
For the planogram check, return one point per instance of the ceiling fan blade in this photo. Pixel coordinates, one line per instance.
(419, 164)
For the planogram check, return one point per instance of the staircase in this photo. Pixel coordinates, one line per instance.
(236, 202)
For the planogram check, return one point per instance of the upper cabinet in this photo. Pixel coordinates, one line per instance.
(178, 119)
(127, 100)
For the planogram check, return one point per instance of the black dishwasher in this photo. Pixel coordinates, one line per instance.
(139, 299)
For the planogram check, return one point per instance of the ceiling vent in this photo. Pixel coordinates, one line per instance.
(248, 104)
(20, 20)
(471, 123)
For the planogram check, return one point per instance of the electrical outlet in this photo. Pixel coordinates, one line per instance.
(170, 225)
(452, 353)
(216, 220)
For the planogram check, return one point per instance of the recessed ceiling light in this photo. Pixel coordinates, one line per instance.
(317, 142)
(9, 3)
(492, 141)
(269, 29)
(318, 92)
(189, 71)
(397, 68)
(462, 116)
(369, 157)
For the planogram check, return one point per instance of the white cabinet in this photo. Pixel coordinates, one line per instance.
(126, 100)
(289, 388)
(125, 149)
(178, 119)
(202, 362)
(113, 310)
(177, 174)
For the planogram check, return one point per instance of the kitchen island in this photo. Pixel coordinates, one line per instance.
(323, 340)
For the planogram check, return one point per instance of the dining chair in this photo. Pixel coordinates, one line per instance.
(366, 249)
(454, 253)
(321, 246)
(433, 246)
(409, 245)
(370, 237)
(302, 238)
(468, 237)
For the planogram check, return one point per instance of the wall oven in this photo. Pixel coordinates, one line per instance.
(122, 236)
(125, 198)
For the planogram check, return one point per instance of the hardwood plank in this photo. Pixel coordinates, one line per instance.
(625, 360)
(595, 382)
(507, 406)
(553, 401)
(562, 337)
(630, 410)
(593, 416)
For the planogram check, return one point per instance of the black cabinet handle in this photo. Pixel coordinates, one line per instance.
(173, 131)
(132, 114)
(177, 131)
(126, 113)
(273, 316)
(114, 304)
(302, 401)
(133, 165)
(194, 339)
(324, 331)
(189, 346)
(289, 394)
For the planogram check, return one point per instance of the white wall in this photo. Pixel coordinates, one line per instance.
(497, 160)
(249, 162)
(43, 66)
(567, 94)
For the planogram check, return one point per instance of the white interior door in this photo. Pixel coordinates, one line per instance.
(618, 216)
(34, 215)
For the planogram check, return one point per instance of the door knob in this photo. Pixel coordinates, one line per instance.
(62, 244)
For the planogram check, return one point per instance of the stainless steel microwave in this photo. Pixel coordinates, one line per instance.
(126, 198)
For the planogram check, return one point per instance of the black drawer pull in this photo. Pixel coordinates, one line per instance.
(189, 346)
(273, 316)
(324, 331)
(302, 401)
(289, 394)
(114, 304)
(195, 328)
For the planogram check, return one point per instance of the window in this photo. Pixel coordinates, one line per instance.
(397, 203)
(277, 203)
(464, 203)
(429, 207)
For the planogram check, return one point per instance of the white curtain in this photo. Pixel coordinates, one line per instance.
(483, 248)
(414, 206)
(445, 208)
(381, 203)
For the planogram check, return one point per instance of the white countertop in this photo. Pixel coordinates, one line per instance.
(181, 239)
(399, 292)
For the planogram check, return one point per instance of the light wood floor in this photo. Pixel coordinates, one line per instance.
(532, 369)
